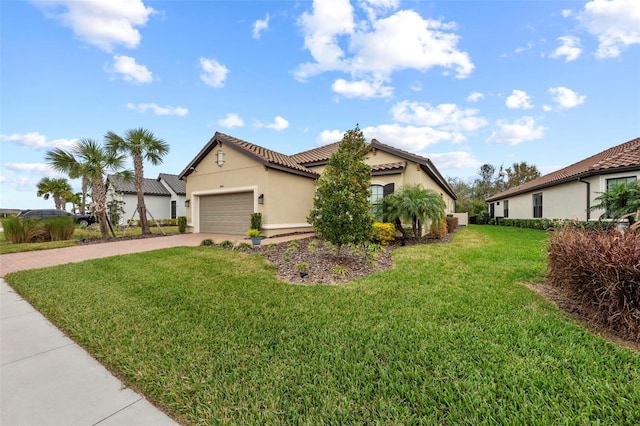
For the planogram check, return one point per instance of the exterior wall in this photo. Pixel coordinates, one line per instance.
(181, 210)
(281, 213)
(565, 201)
(158, 206)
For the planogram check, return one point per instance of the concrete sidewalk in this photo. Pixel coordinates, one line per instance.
(45, 377)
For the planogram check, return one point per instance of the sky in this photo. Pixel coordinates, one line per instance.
(461, 82)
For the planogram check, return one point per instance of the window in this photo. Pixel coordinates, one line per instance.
(537, 205)
(492, 210)
(505, 207)
(173, 209)
(375, 199)
(611, 183)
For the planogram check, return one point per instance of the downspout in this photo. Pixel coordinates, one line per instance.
(588, 198)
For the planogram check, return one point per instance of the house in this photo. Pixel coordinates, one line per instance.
(229, 179)
(570, 192)
(164, 197)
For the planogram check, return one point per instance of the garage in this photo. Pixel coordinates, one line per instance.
(226, 213)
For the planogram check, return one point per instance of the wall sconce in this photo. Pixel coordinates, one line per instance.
(187, 203)
(220, 158)
(261, 199)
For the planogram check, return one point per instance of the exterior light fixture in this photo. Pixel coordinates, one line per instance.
(261, 199)
(220, 158)
(187, 203)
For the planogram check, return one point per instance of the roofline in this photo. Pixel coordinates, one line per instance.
(568, 179)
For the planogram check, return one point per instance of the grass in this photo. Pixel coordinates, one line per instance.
(448, 336)
(89, 233)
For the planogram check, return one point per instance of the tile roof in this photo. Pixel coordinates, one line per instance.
(150, 186)
(316, 156)
(619, 158)
(178, 186)
(388, 168)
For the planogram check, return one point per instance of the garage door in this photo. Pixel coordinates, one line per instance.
(226, 213)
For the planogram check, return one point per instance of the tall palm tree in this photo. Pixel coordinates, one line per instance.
(96, 162)
(414, 204)
(58, 188)
(67, 163)
(141, 144)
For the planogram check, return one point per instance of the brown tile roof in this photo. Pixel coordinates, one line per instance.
(316, 156)
(388, 168)
(619, 158)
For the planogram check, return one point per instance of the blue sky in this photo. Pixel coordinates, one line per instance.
(461, 82)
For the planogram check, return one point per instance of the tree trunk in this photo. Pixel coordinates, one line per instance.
(85, 183)
(142, 210)
(100, 200)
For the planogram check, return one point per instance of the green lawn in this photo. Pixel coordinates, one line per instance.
(449, 336)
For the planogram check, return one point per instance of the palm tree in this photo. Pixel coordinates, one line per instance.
(414, 204)
(142, 145)
(67, 163)
(58, 188)
(620, 200)
(96, 162)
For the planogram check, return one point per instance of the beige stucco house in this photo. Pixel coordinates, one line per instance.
(229, 179)
(570, 192)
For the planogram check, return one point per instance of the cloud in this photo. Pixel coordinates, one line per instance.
(39, 168)
(213, 72)
(130, 71)
(373, 54)
(474, 96)
(444, 116)
(158, 110)
(37, 141)
(519, 100)
(454, 160)
(566, 98)
(566, 13)
(104, 24)
(516, 132)
(361, 89)
(259, 26)
(410, 138)
(231, 120)
(329, 136)
(569, 49)
(616, 24)
(278, 124)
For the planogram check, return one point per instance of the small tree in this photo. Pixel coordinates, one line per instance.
(341, 210)
(58, 188)
(414, 204)
(620, 200)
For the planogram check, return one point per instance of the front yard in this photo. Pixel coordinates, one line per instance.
(450, 335)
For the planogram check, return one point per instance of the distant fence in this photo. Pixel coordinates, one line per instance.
(463, 218)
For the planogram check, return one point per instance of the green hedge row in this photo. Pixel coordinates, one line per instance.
(545, 224)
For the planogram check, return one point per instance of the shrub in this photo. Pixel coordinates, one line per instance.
(254, 232)
(244, 246)
(452, 224)
(59, 228)
(438, 229)
(18, 231)
(226, 244)
(384, 233)
(256, 221)
(182, 224)
(207, 242)
(600, 272)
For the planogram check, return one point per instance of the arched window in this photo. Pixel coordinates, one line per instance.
(375, 199)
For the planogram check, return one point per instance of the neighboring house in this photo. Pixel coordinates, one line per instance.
(230, 179)
(569, 193)
(164, 196)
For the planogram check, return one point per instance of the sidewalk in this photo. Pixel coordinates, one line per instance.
(46, 378)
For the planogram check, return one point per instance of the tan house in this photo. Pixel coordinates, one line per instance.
(230, 179)
(570, 192)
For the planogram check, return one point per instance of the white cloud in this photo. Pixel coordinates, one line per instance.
(569, 48)
(361, 89)
(278, 124)
(231, 120)
(410, 138)
(566, 98)
(516, 132)
(214, 73)
(416, 86)
(474, 96)
(547, 108)
(37, 141)
(444, 116)
(104, 24)
(130, 71)
(373, 53)
(259, 26)
(158, 110)
(566, 13)
(519, 100)
(329, 136)
(454, 160)
(39, 168)
(616, 23)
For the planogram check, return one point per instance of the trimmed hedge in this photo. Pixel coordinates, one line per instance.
(600, 271)
(545, 224)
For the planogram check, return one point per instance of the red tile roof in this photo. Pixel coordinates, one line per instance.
(622, 157)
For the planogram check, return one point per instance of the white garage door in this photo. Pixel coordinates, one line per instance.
(226, 213)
